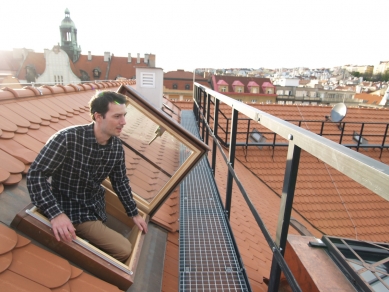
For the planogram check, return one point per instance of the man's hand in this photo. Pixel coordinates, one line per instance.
(140, 222)
(63, 228)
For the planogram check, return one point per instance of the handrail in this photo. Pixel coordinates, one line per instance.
(370, 173)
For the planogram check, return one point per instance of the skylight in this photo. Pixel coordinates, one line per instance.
(365, 262)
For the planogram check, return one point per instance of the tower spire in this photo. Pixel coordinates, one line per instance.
(68, 33)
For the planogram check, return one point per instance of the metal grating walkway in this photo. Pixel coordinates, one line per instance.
(208, 260)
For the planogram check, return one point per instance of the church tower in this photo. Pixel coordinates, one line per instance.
(68, 32)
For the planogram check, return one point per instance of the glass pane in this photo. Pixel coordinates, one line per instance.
(152, 154)
(355, 266)
(379, 287)
(368, 276)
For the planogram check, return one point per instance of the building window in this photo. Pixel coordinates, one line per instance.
(241, 100)
(223, 89)
(268, 101)
(289, 102)
(281, 102)
(175, 86)
(58, 79)
(253, 100)
(254, 90)
(187, 86)
(238, 89)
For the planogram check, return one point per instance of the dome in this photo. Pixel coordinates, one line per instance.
(67, 22)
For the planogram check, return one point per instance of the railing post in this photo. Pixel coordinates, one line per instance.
(208, 114)
(231, 159)
(383, 140)
(215, 127)
(199, 109)
(292, 163)
(203, 115)
(227, 131)
(248, 134)
(360, 136)
(195, 101)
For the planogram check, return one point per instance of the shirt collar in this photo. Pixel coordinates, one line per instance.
(91, 138)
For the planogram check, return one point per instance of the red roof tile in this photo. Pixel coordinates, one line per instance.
(27, 267)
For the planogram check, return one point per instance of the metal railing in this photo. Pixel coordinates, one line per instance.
(359, 136)
(368, 172)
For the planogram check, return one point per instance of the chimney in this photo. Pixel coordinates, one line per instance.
(129, 58)
(151, 60)
(106, 56)
(149, 83)
(46, 52)
(146, 59)
(89, 56)
(138, 59)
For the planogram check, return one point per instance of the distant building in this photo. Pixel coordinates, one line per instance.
(245, 89)
(381, 67)
(65, 64)
(364, 69)
(178, 85)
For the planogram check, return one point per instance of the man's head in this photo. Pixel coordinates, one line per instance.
(99, 103)
(108, 110)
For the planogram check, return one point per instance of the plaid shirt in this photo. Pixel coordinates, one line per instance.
(78, 165)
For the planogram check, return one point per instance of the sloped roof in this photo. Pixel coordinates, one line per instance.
(252, 83)
(267, 84)
(181, 74)
(36, 59)
(26, 267)
(325, 201)
(237, 83)
(120, 66)
(243, 80)
(329, 200)
(28, 119)
(371, 98)
(89, 66)
(304, 82)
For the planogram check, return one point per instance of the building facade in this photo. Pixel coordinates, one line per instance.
(178, 85)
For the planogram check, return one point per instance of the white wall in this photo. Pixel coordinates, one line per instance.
(288, 82)
(57, 64)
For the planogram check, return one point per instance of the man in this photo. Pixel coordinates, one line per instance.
(78, 159)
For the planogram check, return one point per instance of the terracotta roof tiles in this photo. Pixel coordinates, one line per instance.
(27, 267)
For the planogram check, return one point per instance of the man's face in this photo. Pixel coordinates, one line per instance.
(114, 120)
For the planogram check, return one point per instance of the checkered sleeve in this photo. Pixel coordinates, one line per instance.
(121, 185)
(47, 161)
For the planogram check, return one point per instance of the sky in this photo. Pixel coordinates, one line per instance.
(210, 33)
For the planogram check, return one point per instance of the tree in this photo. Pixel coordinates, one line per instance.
(356, 74)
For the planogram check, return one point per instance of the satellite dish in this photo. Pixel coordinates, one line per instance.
(338, 112)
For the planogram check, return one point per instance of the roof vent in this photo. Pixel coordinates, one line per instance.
(147, 79)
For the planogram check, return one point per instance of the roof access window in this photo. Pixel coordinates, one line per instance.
(365, 262)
